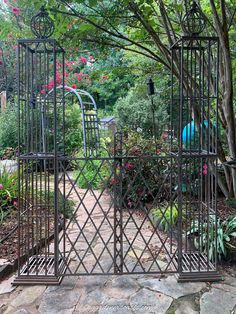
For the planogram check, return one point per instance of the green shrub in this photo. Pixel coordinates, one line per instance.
(143, 179)
(231, 202)
(8, 130)
(165, 218)
(229, 227)
(134, 112)
(94, 174)
(215, 236)
(65, 206)
(73, 130)
(8, 193)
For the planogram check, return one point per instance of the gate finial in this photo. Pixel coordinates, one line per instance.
(194, 21)
(42, 25)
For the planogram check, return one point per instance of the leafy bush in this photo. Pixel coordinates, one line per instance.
(231, 202)
(143, 179)
(215, 236)
(8, 130)
(8, 193)
(94, 174)
(134, 112)
(73, 130)
(65, 206)
(229, 226)
(165, 218)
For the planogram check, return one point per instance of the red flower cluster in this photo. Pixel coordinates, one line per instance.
(83, 60)
(129, 166)
(80, 76)
(113, 181)
(130, 203)
(205, 169)
(16, 11)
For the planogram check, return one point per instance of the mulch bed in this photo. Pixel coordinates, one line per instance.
(29, 235)
(225, 211)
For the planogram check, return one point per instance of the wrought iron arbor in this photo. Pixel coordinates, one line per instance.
(106, 228)
(89, 114)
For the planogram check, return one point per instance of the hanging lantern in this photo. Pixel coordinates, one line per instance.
(150, 87)
(194, 21)
(42, 25)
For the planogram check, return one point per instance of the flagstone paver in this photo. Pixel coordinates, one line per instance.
(6, 286)
(146, 301)
(169, 286)
(126, 294)
(218, 301)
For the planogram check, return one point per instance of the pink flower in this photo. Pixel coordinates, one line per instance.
(83, 60)
(15, 203)
(130, 203)
(1, 63)
(73, 86)
(58, 77)
(66, 74)
(50, 84)
(42, 91)
(205, 166)
(129, 166)
(205, 172)
(140, 191)
(104, 77)
(91, 58)
(113, 181)
(158, 151)
(16, 11)
(1, 187)
(165, 136)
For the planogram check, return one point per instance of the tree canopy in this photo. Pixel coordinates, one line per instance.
(130, 41)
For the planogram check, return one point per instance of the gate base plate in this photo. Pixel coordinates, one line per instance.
(39, 270)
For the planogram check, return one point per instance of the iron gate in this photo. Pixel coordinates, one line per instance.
(110, 232)
(99, 219)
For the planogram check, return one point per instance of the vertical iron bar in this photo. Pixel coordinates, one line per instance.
(180, 148)
(56, 247)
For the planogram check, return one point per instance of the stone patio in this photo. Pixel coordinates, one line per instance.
(120, 294)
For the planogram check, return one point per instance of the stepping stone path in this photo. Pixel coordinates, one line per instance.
(108, 294)
(125, 294)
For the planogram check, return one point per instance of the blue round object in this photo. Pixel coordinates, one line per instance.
(190, 132)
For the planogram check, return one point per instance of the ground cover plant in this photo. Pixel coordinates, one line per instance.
(216, 236)
(8, 193)
(8, 133)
